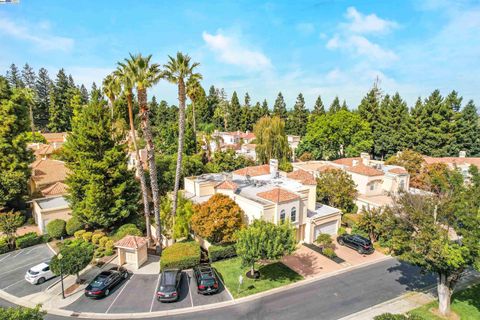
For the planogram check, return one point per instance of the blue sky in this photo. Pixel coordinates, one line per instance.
(321, 47)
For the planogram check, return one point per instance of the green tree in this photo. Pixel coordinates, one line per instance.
(369, 110)
(29, 77)
(319, 108)
(467, 135)
(298, 118)
(227, 161)
(335, 106)
(60, 110)
(14, 155)
(234, 113)
(255, 115)
(111, 87)
(212, 101)
(280, 107)
(14, 77)
(72, 258)
(264, 241)
(21, 313)
(336, 135)
(9, 223)
(246, 115)
(412, 162)
(271, 140)
(265, 110)
(41, 113)
(439, 178)
(336, 188)
(102, 191)
(196, 94)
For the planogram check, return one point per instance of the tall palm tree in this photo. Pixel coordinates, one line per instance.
(177, 70)
(125, 79)
(144, 75)
(111, 88)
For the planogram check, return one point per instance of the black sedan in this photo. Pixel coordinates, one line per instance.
(168, 286)
(105, 282)
(357, 242)
(207, 281)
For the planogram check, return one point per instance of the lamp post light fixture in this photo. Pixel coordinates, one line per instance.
(60, 257)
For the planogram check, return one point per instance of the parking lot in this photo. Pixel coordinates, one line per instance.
(137, 294)
(14, 265)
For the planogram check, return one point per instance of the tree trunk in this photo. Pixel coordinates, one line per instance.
(181, 138)
(147, 134)
(252, 270)
(140, 172)
(444, 290)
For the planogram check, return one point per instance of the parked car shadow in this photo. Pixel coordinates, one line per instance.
(412, 277)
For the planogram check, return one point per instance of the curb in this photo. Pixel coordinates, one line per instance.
(68, 313)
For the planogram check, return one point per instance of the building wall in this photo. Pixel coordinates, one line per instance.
(189, 185)
(42, 218)
(287, 206)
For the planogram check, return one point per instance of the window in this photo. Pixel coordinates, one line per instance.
(282, 215)
(293, 214)
(372, 186)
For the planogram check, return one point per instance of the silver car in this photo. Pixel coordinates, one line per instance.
(39, 274)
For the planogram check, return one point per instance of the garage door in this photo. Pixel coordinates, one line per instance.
(329, 228)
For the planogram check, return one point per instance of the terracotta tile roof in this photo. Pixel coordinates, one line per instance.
(249, 146)
(303, 176)
(57, 188)
(253, 171)
(278, 195)
(131, 242)
(55, 136)
(398, 171)
(347, 161)
(235, 146)
(248, 136)
(365, 170)
(47, 171)
(227, 185)
(453, 160)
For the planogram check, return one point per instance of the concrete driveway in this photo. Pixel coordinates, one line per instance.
(353, 258)
(15, 264)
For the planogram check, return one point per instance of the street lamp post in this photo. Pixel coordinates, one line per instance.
(60, 257)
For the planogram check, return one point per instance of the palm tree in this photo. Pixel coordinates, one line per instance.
(194, 91)
(144, 75)
(125, 79)
(177, 71)
(111, 88)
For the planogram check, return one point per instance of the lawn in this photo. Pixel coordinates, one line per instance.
(465, 303)
(271, 276)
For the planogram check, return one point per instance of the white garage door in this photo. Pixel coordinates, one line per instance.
(329, 228)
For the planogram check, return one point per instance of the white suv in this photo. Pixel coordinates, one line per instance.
(39, 274)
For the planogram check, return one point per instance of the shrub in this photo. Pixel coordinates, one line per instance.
(390, 316)
(220, 252)
(350, 219)
(324, 240)
(4, 248)
(109, 252)
(109, 245)
(127, 229)
(97, 236)
(79, 234)
(102, 241)
(329, 252)
(360, 232)
(56, 228)
(99, 253)
(28, 240)
(182, 255)
(73, 225)
(87, 236)
(341, 231)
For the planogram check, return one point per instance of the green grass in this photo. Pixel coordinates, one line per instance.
(271, 276)
(465, 303)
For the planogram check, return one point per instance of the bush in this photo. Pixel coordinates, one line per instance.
(109, 245)
(99, 253)
(79, 234)
(220, 252)
(28, 240)
(97, 236)
(182, 255)
(324, 240)
(127, 229)
(87, 236)
(73, 225)
(102, 241)
(56, 228)
(341, 231)
(109, 252)
(360, 232)
(4, 248)
(390, 316)
(329, 252)
(350, 219)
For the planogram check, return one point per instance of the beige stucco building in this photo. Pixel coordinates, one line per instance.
(132, 250)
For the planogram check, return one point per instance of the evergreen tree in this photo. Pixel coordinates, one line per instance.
(335, 106)
(14, 155)
(280, 108)
(369, 111)
(344, 105)
(319, 108)
(246, 116)
(95, 93)
(265, 111)
(415, 112)
(234, 113)
(256, 114)
(102, 191)
(453, 104)
(41, 113)
(14, 77)
(212, 101)
(467, 136)
(29, 77)
(59, 109)
(453, 101)
(84, 93)
(299, 118)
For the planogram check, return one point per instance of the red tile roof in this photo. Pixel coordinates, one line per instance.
(131, 242)
(230, 185)
(347, 161)
(47, 171)
(365, 170)
(253, 171)
(55, 136)
(302, 176)
(278, 195)
(398, 171)
(453, 160)
(57, 188)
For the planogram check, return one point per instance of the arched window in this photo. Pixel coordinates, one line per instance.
(293, 214)
(282, 215)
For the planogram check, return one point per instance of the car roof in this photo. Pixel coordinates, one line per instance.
(39, 267)
(104, 273)
(359, 237)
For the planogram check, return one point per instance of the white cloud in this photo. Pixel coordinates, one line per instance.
(334, 42)
(230, 50)
(305, 28)
(37, 35)
(363, 24)
(363, 46)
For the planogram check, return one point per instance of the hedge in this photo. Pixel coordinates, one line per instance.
(28, 240)
(220, 252)
(73, 225)
(79, 234)
(182, 255)
(87, 236)
(4, 248)
(56, 228)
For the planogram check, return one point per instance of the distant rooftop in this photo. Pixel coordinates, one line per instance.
(52, 203)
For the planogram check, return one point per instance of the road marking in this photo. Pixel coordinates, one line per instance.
(17, 282)
(155, 293)
(189, 289)
(19, 252)
(25, 265)
(8, 255)
(118, 295)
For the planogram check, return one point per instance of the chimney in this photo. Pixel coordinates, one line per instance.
(354, 163)
(365, 158)
(273, 168)
(462, 154)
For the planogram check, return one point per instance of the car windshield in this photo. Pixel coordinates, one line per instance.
(33, 273)
(166, 289)
(98, 281)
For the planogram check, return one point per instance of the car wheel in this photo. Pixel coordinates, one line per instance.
(41, 280)
(360, 250)
(125, 275)
(340, 242)
(107, 292)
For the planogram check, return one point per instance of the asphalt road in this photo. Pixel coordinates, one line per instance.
(331, 298)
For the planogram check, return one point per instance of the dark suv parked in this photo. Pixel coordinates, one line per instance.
(357, 242)
(207, 281)
(169, 285)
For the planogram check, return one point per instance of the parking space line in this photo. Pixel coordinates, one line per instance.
(11, 285)
(23, 266)
(155, 293)
(8, 255)
(118, 295)
(31, 250)
(189, 290)
(19, 252)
